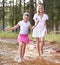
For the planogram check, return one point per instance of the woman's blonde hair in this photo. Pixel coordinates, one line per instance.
(40, 5)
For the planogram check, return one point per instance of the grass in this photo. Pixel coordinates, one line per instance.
(53, 37)
(8, 35)
(50, 37)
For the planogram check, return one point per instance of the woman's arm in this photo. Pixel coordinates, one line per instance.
(45, 25)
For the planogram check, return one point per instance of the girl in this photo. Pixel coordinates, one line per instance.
(40, 28)
(23, 38)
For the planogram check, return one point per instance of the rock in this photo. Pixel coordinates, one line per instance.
(58, 50)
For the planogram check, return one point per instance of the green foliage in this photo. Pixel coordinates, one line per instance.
(52, 8)
(17, 12)
(53, 37)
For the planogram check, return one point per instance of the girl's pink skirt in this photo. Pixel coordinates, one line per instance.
(23, 38)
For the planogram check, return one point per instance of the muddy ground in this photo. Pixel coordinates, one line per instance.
(9, 53)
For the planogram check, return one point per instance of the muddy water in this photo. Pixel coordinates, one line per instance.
(9, 53)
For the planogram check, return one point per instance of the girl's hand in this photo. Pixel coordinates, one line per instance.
(7, 29)
(33, 27)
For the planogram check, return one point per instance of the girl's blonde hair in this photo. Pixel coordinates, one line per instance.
(26, 14)
(40, 5)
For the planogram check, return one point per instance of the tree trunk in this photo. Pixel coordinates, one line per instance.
(16, 15)
(24, 5)
(3, 16)
(13, 16)
(31, 11)
(20, 6)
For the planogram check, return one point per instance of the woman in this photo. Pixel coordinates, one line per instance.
(40, 28)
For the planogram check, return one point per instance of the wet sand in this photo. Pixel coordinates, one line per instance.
(9, 52)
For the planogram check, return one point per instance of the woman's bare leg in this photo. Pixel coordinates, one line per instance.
(37, 42)
(41, 45)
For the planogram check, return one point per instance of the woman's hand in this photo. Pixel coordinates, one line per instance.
(46, 32)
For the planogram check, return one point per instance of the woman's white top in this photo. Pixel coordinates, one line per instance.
(39, 30)
(24, 27)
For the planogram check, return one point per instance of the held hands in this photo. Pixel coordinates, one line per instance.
(36, 23)
(33, 27)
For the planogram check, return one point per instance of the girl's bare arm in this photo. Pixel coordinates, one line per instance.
(12, 28)
(15, 27)
(30, 27)
(36, 23)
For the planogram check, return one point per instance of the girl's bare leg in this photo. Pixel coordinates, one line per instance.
(23, 49)
(20, 50)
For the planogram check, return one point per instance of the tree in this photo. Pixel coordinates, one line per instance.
(52, 8)
(31, 11)
(3, 15)
(11, 13)
(24, 5)
(17, 12)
